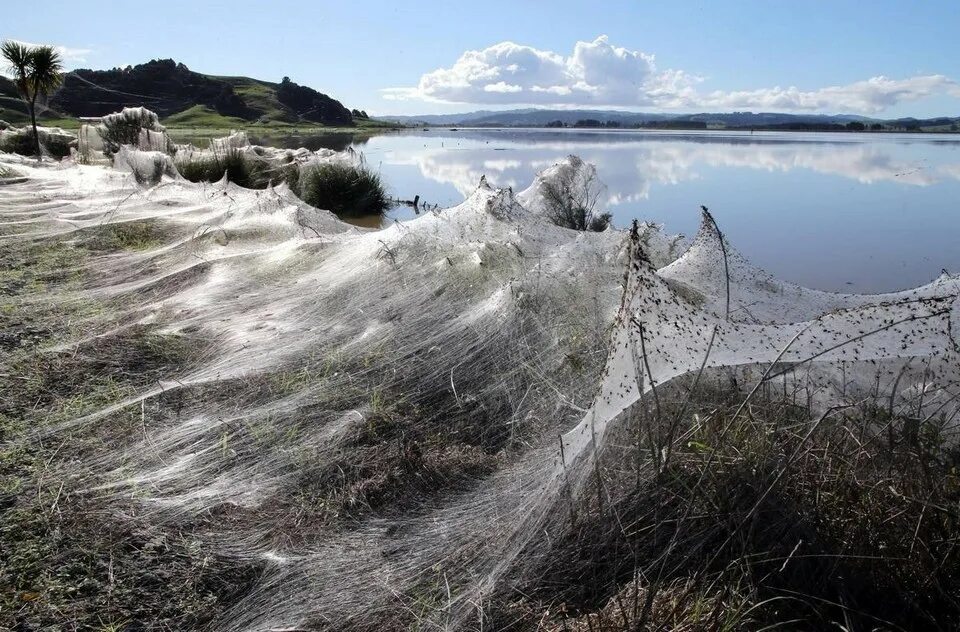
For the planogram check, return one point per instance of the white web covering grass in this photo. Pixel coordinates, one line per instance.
(373, 416)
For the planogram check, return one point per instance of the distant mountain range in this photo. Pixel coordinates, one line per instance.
(532, 117)
(174, 91)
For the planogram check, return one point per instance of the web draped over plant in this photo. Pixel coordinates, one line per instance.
(382, 423)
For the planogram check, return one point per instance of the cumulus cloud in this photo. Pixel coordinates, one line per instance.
(69, 54)
(598, 73)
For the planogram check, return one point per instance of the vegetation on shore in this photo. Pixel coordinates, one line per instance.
(187, 99)
(347, 190)
(705, 512)
(759, 515)
(571, 198)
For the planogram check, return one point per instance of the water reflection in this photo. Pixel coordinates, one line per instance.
(282, 138)
(868, 211)
(629, 167)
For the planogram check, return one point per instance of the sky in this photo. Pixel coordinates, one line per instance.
(883, 58)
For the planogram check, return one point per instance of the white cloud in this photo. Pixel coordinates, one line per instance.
(69, 55)
(596, 72)
(502, 87)
(632, 168)
(872, 95)
(599, 73)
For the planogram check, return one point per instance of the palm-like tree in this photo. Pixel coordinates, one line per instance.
(37, 72)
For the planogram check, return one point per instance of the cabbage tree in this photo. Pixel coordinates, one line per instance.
(37, 71)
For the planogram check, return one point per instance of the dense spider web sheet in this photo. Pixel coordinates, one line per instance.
(484, 318)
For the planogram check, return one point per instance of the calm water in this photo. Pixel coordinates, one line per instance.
(849, 212)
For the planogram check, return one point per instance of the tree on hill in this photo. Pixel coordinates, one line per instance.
(162, 85)
(310, 105)
(37, 72)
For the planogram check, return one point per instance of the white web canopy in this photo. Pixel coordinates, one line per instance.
(484, 324)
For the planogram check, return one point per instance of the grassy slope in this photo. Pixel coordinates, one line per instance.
(14, 112)
(202, 116)
(260, 96)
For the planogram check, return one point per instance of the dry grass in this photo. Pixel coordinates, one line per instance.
(61, 558)
(765, 519)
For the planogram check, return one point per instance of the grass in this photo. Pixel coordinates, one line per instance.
(719, 514)
(261, 96)
(14, 111)
(134, 235)
(346, 190)
(246, 171)
(60, 561)
(760, 516)
(202, 116)
(214, 127)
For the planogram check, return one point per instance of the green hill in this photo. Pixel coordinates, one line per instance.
(185, 98)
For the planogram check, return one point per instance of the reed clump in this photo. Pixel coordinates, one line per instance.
(347, 190)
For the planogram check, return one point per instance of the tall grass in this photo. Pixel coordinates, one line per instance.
(763, 516)
(244, 171)
(347, 190)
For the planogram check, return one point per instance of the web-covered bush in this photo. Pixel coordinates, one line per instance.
(571, 197)
(125, 128)
(53, 141)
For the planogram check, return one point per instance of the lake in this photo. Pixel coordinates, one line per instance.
(844, 212)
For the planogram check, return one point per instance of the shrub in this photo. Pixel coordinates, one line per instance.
(21, 142)
(346, 190)
(153, 173)
(244, 171)
(18, 142)
(57, 145)
(123, 128)
(571, 198)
